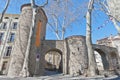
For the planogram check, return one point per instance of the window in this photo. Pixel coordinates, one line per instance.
(8, 51)
(15, 25)
(4, 26)
(6, 17)
(16, 17)
(4, 66)
(1, 37)
(12, 37)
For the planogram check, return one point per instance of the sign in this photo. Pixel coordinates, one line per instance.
(37, 57)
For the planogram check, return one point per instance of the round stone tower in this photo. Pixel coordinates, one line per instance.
(22, 36)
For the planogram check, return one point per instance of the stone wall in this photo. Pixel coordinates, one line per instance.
(74, 54)
(35, 67)
(113, 43)
(77, 55)
(52, 45)
(73, 51)
(21, 42)
(18, 54)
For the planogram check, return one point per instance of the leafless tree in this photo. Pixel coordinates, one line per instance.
(91, 58)
(112, 9)
(4, 10)
(61, 15)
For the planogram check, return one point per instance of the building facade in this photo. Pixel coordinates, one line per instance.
(7, 38)
(112, 41)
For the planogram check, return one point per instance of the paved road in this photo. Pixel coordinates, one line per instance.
(62, 77)
(57, 76)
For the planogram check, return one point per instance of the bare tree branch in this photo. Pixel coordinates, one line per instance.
(61, 16)
(4, 10)
(63, 28)
(115, 24)
(54, 30)
(107, 9)
(45, 4)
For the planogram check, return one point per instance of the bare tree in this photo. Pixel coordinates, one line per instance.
(91, 58)
(4, 10)
(112, 9)
(114, 12)
(61, 15)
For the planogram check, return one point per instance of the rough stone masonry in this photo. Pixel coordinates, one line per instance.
(74, 60)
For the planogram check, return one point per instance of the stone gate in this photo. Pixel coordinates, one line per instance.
(73, 50)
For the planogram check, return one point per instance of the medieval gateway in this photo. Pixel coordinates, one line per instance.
(68, 56)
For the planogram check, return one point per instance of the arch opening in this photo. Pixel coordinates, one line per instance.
(101, 60)
(53, 62)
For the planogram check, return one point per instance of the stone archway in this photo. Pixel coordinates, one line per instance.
(101, 60)
(53, 62)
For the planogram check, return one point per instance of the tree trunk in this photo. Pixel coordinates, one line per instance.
(91, 58)
(113, 10)
(116, 25)
(25, 71)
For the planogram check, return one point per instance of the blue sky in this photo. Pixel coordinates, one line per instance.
(102, 26)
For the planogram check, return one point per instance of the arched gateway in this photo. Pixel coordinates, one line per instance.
(68, 56)
(53, 62)
(106, 59)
